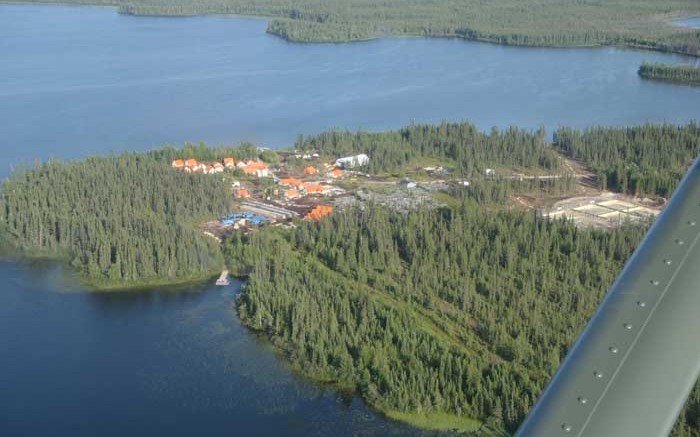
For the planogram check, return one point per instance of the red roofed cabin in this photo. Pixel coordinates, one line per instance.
(242, 193)
(256, 168)
(178, 164)
(319, 212)
(315, 188)
(310, 170)
(291, 182)
(229, 163)
(292, 194)
(191, 162)
(336, 173)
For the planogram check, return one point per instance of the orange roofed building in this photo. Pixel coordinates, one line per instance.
(292, 194)
(291, 182)
(257, 168)
(336, 173)
(315, 188)
(310, 170)
(242, 193)
(229, 163)
(178, 163)
(319, 212)
(191, 162)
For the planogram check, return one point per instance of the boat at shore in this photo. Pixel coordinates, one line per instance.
(223, 279)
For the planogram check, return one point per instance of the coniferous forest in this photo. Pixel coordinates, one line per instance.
(450, 311)
(686, 74)
(120, 221)
(433, 314)
(635, 23)
(471, 150)
(645, 160)
(461, 311)
(447, 317)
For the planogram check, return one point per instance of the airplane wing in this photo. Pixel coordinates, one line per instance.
(637, 360)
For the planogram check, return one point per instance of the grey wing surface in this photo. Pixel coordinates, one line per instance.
(637, 360)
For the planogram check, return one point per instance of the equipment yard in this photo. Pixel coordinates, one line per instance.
(607, 210)
(307, 186)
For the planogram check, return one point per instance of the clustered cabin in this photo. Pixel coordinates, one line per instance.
(291, 182)
(319, 212)
(336, 173)
(312, 188)
(191, 165)
(255, 168)
(292, 194)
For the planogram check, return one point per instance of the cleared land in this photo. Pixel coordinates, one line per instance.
(607, 210)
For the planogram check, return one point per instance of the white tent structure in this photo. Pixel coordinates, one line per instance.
(352, 161)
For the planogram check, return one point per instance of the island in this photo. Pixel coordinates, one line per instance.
(643, 24)
(439, 271)
(684, 74)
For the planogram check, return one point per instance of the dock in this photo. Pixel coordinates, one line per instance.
(223, 279)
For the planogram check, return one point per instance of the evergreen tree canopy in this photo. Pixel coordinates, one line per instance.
(121, 220)
(645, 160)
(460, 311)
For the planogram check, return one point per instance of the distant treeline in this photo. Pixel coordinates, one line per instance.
(120, 221)
(646, 160)
(671, 73)
(459, 311)
(205, 153)
(471, 150)
(636, 23)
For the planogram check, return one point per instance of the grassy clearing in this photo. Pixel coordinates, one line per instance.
(438, 421)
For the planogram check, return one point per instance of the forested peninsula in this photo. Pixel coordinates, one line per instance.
(685, 74)
(119, 221)
(449, 315)
(453, 318)
(553, 23)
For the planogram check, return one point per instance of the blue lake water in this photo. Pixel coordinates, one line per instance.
(161, 362)
(76, 81)
(85, 80)
(688, 22)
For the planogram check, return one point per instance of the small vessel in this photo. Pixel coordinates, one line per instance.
(223, 279)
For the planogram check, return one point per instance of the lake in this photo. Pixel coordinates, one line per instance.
(161, 362)
(688, 22)
(76, 81)
(86, 80)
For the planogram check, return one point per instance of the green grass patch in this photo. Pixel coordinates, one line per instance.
(438, 421)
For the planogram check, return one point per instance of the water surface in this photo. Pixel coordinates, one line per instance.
(163, 362)
(85, 80)
(688, 22)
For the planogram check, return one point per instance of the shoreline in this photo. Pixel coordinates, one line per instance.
(92, 286)
(270, 19)
(670, 81)
(425, 421)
